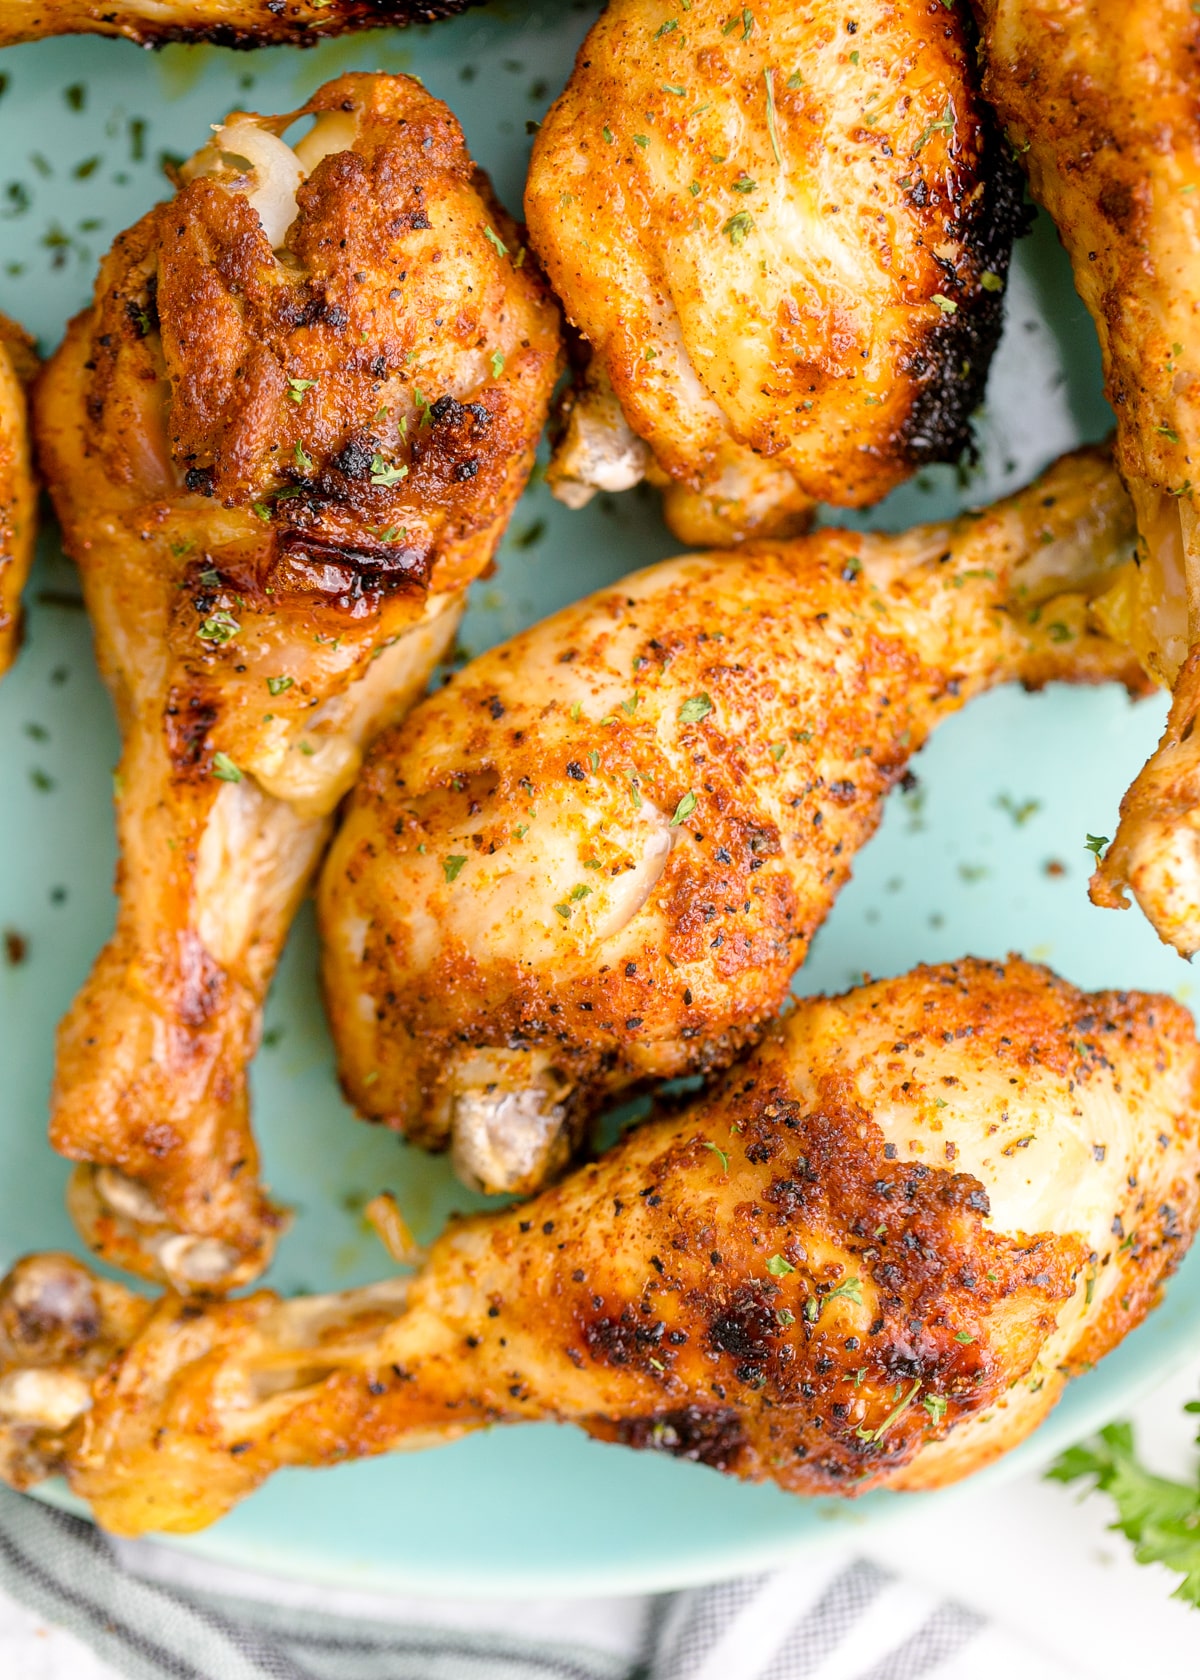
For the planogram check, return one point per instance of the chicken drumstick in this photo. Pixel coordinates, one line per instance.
(783, 233)
(598, 855)
(282, 441)
(873, 1254)
(224, 23)
(1099, 97)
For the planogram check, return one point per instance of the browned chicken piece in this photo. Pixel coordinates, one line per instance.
(598, 855)
(1099, 97)
(872, 1255)
(18, 492)
(283, 440)
(783, 234)
(225, 23)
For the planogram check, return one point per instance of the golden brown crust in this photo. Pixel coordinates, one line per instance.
(598, 855)
(785, 241)
(1099, 99)
(224, 23)
(278, 459)
(18, 492)
(869, 1255)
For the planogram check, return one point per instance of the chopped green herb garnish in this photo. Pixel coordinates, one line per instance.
(642, 140)
(778, 1266)
(896, 1412)
(497, 364)
(302, 459)
(935, 1406)
(452, 865)
(579, 892)
(945, 304)
(218, 627)
(944, 122)
(720, 1154)
(297, 388)
(494, 238)
(684, 808)
(1096, 843)
(744, 184)
(964, 1336)
(738, 227)
(224, 769)
(1019, 811)
(385, 475)
(991, 282)
(278, 685)
(694, 709)
(851, 1288)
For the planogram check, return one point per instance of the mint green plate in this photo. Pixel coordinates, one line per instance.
(967, 862)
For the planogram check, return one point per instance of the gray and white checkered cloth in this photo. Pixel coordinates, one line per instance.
(154, 1614)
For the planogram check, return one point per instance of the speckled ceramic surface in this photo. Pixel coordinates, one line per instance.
(985, 855)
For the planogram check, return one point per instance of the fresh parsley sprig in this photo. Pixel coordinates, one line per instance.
(1161, 1517)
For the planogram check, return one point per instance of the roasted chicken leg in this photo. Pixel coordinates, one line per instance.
(872, 1255)
(598, 855)
(1099, 97)
(783, 233)
(282, 441)
(18, 494)
(225, 23)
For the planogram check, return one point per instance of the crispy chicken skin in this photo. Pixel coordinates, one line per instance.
(18, 493)
(783, 235)
(873, 1254)
(1099, 98)
(598, 855)
(225, 23)
(283, 440)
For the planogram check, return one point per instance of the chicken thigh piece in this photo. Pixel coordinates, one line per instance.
(1099, 98)
(784, 234)
(282, 441)
(18, 492)
(873, 1254)
(598, 855)
(225, 23)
